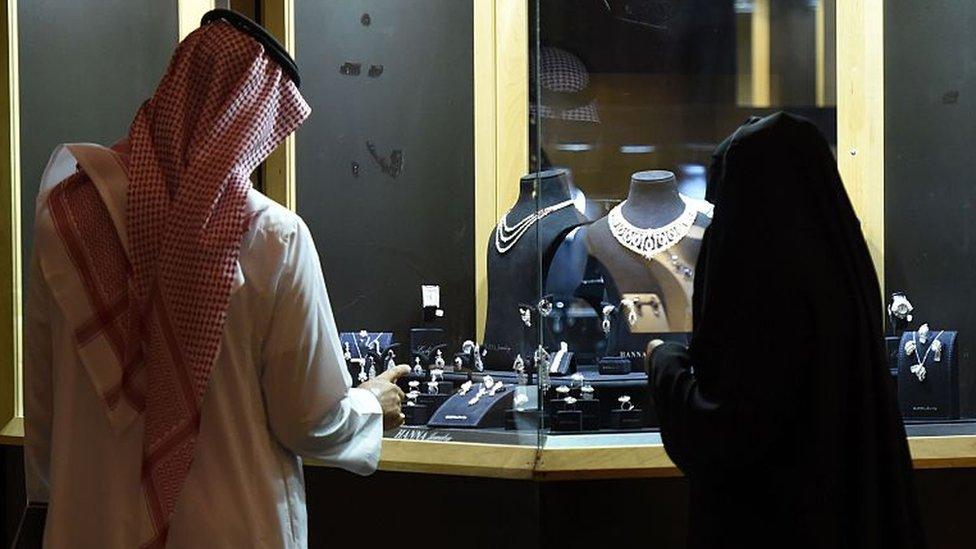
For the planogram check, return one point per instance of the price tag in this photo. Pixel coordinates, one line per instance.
(431, 295)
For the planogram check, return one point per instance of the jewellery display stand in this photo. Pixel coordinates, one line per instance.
(487, 413)
(649, 245)
(359, 347)
(417, 414)
(362, 342)
(936, 396)
(424, 343)
(529, 230)
(606, 390)
(582, 415)
(624, 420)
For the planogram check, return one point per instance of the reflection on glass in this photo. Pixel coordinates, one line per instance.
(629, 99)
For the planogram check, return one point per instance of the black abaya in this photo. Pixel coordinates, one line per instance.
(782, 411)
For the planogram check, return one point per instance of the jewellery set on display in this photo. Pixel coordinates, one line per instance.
(489, 387)
(632, 305)
(417, 368)
(520, 374)
(507, 235)
(439, 361)
(577, 380)
(900, 311)
(475, 352)
(650, 242)
(625, 403)
(413, 393)
(911, 348)
(587, 392)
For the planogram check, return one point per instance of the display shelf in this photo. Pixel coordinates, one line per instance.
(509, 455)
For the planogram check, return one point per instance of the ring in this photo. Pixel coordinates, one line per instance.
(587, 392)
(569, 402)
(625, 403)
(578, 379)
(563, 390)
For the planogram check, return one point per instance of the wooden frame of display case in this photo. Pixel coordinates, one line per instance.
(11, 286)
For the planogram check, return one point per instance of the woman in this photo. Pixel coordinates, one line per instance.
(782, 412)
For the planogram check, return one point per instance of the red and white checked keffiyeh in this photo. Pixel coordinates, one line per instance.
(157, 289)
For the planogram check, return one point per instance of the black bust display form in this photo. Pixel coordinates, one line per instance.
(513, 276)
(653, 201)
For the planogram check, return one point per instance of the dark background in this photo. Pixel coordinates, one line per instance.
(381, 238)
(930, 190)
(82, 79)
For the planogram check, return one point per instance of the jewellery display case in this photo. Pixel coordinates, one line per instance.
(510, 198)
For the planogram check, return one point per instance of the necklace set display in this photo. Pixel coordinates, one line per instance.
(920, 338)
(646, 243)
(507, 235)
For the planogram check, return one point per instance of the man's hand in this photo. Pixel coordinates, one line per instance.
(390, 396)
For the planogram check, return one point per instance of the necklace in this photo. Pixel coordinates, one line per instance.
(364, 344)
(919, 368)
(507, 235)
(650, 242)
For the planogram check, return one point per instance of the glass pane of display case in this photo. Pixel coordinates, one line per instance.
(630, 99)
(387, 186)
(928, 202)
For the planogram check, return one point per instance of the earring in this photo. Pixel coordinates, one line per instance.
(630, 305)
(910, 347)
(923, 333)
(919, 371)
(607, 311)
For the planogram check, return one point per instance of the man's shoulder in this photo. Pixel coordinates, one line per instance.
(268, 217)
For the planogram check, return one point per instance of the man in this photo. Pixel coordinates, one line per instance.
(181, 353)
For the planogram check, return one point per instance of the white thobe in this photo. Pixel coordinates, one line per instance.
(279, 391)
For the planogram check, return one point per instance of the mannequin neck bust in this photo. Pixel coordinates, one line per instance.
(653, 200)
(554, 187)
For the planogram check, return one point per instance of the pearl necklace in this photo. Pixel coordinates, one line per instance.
(506, 236)
(650, 242)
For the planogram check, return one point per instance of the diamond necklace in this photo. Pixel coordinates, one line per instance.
(650, 242)
(507, 235)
